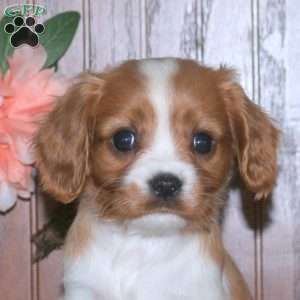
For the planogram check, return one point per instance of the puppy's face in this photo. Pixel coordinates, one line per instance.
(156, 136)
(162, 141)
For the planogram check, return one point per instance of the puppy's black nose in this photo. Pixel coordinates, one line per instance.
(165, 186)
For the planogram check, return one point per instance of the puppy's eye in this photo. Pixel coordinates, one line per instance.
(124, 140)
(202, 142)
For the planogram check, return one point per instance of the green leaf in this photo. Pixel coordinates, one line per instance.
(5, 48)
(58, 35)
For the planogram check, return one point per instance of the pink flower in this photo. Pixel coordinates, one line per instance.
(26, 93)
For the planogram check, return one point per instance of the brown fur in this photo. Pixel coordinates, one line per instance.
(75, 155)
(62, 144)
(255, 139)
(198, 106)
(79, 234)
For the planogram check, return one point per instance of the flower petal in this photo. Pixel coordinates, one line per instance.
(26, 93)
(24, 63)
(8, 196)
(5, 90)
(23, 150)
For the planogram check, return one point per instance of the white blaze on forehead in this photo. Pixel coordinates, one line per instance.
(162, 155)
(159, 74)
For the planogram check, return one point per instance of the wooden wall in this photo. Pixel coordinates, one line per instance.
(261, 39)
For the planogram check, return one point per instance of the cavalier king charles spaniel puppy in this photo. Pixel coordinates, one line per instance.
(148, 149)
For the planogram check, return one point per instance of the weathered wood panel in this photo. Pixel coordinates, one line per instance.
(170, 28)
(15, 253)
(279, 56)
(115, 32)
(226, 37)
(292, 131)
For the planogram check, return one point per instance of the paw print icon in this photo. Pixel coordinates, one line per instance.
(24, 31)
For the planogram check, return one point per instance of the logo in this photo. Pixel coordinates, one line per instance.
(24, 29)
(25, 10)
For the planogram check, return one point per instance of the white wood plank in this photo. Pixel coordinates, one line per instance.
(15, 256)
(171, 28)
(226, 38)
(280, 71)
(115, 32)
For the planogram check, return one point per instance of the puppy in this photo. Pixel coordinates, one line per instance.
(149, 148)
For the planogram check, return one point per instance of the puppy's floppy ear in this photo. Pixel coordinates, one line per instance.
(62, 143)
(255, 138)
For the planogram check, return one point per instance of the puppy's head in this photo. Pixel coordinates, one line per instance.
(159, 135)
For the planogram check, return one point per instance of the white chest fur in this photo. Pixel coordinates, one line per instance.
(134, 263)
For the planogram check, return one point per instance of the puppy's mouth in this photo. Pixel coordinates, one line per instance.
(175, 206)
(165, 203)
